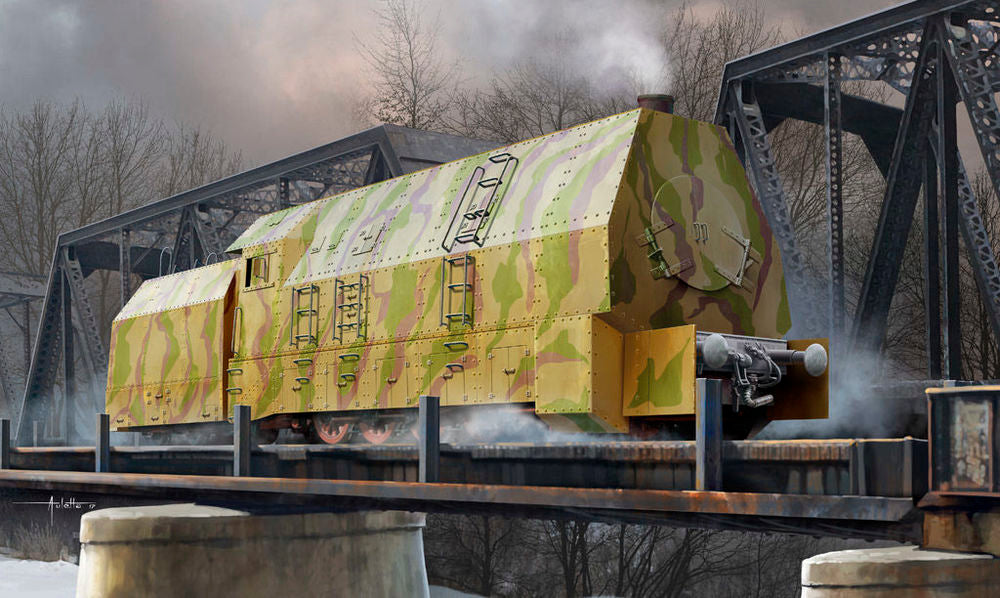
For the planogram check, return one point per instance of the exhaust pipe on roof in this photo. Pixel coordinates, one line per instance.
(660, 102)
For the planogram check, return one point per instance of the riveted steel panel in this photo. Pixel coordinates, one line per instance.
(510, 367)
(660, 372)
(568, 396)
(690, 192)
(182, 347)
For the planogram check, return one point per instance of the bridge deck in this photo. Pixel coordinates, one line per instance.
(856, 516)
(883, 467)
(859, 488)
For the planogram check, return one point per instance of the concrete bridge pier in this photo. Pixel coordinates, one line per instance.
(191, 550)
(900, 572)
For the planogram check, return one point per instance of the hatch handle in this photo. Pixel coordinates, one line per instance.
(232, 344)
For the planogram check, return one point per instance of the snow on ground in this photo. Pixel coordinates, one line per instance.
(36, 579)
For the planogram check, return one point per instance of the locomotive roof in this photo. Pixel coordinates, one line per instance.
(564, 181)
(181, 289)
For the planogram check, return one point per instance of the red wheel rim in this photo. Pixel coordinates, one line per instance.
(329, 430)
(378, 432)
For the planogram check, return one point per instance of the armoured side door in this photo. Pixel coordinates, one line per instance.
(446, 367)
(511, 368)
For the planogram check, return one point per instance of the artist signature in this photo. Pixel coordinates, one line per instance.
(60, 503)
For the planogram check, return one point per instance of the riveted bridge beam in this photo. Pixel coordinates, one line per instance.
(936, 54)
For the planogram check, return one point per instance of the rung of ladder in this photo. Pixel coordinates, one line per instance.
(458, 285)
(491, 182)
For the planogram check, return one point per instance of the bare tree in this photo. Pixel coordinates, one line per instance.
(132, 143)
(534, 98)
(36, 182)
(568, 542)
(411, 81)
(669, 562)
(980, 353)
(193, 157)
(699, 48)
(63, 166)
(471, 553)
(129, 143)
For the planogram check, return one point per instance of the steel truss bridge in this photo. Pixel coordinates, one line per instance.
(17, 292)
(937, 54)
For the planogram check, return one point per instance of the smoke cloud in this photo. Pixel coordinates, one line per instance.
(861, 405)
(272, 78)
(508, 424)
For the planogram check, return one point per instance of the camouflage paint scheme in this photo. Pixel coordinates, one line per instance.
(521, 275)
(169, 347)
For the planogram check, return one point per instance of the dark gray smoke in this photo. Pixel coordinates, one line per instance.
(272, 78)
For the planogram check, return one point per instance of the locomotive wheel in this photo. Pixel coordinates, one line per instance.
(408, 430)
(377, 432)
(330, 430)
(264, 435)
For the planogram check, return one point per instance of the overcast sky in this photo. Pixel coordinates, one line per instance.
(280, 76)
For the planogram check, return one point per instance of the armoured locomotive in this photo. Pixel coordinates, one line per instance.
(588, 276)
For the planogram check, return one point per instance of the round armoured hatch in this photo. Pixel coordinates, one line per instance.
(700, 234)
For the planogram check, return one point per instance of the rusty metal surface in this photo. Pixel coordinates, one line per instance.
(856, 508)
(952, 501)
(847, 488)
(964, 445)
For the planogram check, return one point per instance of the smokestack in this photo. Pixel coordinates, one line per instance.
(657, 101)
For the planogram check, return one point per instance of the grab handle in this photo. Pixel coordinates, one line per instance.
(232, 341)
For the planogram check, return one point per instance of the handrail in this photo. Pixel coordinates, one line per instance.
(160, 261)
(232, 338)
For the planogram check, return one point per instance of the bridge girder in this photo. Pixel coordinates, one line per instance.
(937, 54)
